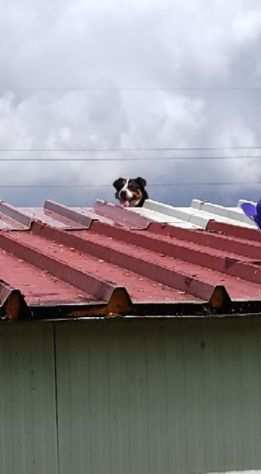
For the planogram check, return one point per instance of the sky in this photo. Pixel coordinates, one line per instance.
(127, 83)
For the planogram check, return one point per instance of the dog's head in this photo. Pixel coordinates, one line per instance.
(131, 192)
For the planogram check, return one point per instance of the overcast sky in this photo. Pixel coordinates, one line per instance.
(137, 74)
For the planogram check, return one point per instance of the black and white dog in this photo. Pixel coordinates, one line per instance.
(131, 192)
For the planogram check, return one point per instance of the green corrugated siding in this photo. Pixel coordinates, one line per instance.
(27, 400)
(133, 397)
(152, 397)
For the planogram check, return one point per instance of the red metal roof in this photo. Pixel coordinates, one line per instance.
(108, 261)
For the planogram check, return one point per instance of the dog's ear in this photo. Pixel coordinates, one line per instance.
(141, 181)
(119, 183)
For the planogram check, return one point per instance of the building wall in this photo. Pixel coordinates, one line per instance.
(27, 399)
(143, 397)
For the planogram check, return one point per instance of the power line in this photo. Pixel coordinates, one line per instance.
(122, 160)
(134, 89)
(178, 183)
(80, 149)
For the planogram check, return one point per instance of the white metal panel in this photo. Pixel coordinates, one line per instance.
(197, 215)
(231, 213)
(163, 218)
(180, 214)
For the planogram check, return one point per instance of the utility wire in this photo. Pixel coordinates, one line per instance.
(152, 185)
(126, 160)
(133, 89)
(80, 149)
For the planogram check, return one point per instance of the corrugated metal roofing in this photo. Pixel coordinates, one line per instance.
(197, 215)
(110, 260)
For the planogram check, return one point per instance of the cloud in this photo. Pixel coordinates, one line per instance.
(247, 27)
(109, 75)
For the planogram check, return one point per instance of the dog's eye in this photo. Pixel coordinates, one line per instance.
(133, 187)
(119, 183)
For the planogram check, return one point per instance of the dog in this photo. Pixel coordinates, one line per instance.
(131, 192)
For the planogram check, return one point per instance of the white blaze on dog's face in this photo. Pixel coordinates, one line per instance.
(131, 192)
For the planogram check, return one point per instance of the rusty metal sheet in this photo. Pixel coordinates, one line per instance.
(53, 219)
(15, 214)
(223, 260)
(248, 248)
(99, 288)
(234, 231)
(63, 217)
(195, 270)
(9, 224)
(77, 256)
(156, 270)
(38, 286)
(5, 291)
(133, 259)
(11, 218)
(90, 212)
(60, 210)
(121, 216)
(59, 215)
(141, 288)
(12, 303)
